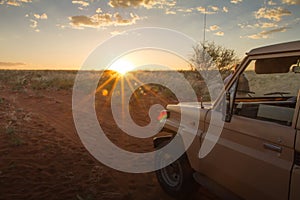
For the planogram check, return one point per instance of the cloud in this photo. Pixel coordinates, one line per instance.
(102, 20)
(236, 1)
(161, 4)
(82, 4)
(261, 25)
(116, 32)
(93, 21)
(225, 9)
(36, 18)
(125, 22)
(291, 2)
(214, 8)
(201, 9)
(282, 29)
(256, 36)
(219, 33)
(15, 3)
(131, 3)
(99, 10)
(33, 24)
(25, 1)
(214, 27)
(272, 3)
(60, 26)
(42, 16)
(268, 25)
(11, 64)
(210, 10)
(170, 12)
(216, 30)
(187, 10)
(274, 14)
(247, 25)
(266, 34)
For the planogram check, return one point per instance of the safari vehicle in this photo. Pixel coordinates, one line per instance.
(257, 155)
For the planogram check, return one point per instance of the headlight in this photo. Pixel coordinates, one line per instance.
(163, 115)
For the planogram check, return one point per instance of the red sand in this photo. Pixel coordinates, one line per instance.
(41, 156)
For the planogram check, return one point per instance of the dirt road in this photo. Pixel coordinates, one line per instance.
(41, 156)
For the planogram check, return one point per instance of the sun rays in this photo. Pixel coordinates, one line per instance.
(120, 85)
(122, 66)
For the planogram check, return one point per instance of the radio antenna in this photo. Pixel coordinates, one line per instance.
(204, 28)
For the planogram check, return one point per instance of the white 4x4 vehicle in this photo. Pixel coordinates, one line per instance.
(257, 155)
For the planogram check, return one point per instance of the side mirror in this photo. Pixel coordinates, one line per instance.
(296, 69)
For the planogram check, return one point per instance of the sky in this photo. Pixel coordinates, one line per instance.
(61, 34)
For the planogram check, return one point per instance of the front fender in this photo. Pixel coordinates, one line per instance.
(161, 139)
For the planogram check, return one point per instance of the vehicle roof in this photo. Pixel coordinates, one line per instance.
(276, 48)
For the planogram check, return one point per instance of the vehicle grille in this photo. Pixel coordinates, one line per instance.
(297, 158)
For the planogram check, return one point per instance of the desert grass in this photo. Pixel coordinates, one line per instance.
(22, 80)
(19, 80)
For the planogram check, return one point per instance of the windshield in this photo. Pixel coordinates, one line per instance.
(267, 90)
(269, 78)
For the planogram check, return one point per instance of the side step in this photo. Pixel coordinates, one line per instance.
(214, 187)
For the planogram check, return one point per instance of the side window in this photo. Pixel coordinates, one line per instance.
(267, 90)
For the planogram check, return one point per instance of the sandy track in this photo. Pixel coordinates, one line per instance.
(41, 156)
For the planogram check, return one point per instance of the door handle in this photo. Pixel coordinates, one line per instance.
(273, 147)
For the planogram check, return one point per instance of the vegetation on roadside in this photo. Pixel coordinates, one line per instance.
(19, 80)
(209, 55)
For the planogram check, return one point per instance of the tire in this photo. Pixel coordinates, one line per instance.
(176, 179)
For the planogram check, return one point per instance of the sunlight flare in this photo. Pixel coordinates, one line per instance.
(122, 66)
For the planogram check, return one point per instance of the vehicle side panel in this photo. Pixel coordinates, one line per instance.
(295, 179)
(295, 183)
(242, 164)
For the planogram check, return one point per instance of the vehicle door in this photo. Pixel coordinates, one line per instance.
(295, 179)
(254, 155)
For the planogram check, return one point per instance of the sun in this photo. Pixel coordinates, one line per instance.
(122, 66)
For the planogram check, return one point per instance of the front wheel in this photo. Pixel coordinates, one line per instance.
(176, 179)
